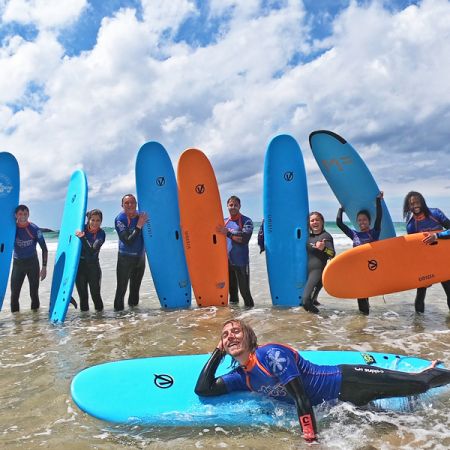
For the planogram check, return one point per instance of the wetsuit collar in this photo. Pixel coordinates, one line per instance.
(420, 216)
(250, 363)
(236, 217)
(25, 225)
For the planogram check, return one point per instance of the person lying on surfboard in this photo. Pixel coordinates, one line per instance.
(420, 218)
(278, 371)
(363, 236)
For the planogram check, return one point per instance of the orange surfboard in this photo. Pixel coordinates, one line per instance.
(383, 267)
(201, 214)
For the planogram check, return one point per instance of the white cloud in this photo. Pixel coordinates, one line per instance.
(43, 13)
(382, 84)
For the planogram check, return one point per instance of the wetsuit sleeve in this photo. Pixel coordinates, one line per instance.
(207, 383)
(127, 236)
(329, 246)
(443, 234)
(304, 409)
(377, 225)
(261, 238)
(247, 231)
(43, 245)
(339, 222)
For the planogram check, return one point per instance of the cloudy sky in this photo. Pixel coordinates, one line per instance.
(84, 83)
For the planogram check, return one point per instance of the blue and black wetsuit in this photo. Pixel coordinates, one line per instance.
(240, 231)
(89, 271)
(130, 261)
(317, 260)
(279, 371)
(26, 263)
(360, 238)
(435, 221)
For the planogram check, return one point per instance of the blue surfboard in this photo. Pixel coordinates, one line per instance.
(285, 220)
(349, 178)
(69, 247)
(160, 391)
(9, 199)
(157, 193)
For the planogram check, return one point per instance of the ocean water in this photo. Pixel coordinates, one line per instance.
(38, 361)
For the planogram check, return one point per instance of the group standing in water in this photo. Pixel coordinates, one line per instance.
(238, 230)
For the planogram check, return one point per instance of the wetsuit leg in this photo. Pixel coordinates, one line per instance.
(33, 273)
(315, 294)
(17, 277)
(123, 275)
(363, 305)
(314, 279)
(419, 302)
(446, 286)
(243, 277)
(94, 280)
(233, 283)
(136, 275)
(363, 384)
(82, 286)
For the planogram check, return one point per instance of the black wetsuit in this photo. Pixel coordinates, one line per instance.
(89, 271)
(359, 384)
(317, 260)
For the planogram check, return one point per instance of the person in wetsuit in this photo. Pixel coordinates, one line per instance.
(420, 218)
(89, 272)
(25, 259)
(278, 371)
(363, 236)
(320, 249)
(238, 229)
(131, 257)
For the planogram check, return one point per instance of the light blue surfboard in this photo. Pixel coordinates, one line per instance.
(69, 247)
(285, 220)
(349, 178)
(160, 391)
(9, 199)
(157, 193)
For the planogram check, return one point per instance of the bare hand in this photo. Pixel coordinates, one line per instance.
(380, 195)
(143, 217)
(43, 273)
(430, 238)
(222, 230)
(320, 245)
(79, 233)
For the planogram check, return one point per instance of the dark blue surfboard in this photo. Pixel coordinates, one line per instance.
(286, 212)
(69, 247)
(9, 199)
(349, 178)
(157, 193)
(159, 391)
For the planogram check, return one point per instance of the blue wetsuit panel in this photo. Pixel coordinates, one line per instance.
(26, 240)
(123, 223)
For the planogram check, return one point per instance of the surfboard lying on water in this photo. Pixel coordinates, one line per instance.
(69, 247)
(9, 199)
(286, 229)
(349, 178)
(201, 214)
(157, 193)
(388, 266)
(160, 391)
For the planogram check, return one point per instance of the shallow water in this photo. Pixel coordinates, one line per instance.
(38, 361)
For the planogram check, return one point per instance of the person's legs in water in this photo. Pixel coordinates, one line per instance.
(137, 273)
(81, 283)
(363, 305)
(243, 278)
(233, 284)
(314, 279)
(446, 286)
(419, 302)
(363, 384)
(17, 279)
(33, 274)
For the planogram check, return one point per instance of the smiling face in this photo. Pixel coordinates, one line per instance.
(233, 340)
(94, 222)
(363, 222)
(316, 223)
(233, 207)
(129, 205)
(415, 205)
(22, 216)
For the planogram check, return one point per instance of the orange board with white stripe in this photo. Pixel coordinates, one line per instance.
(383, 267)
(201, 214)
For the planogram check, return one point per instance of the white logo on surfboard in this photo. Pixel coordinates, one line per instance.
(6, 187)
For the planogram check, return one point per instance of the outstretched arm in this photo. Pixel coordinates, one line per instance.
(304, 409)
(207, 384)
(379, 217)
(340, 223)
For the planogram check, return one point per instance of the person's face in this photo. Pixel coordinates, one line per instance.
(233, 339)
(233, 207)
(129, 205)
(363, 222)
(415, 205)
(94, 222)
(22, 216)
(316, 224)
